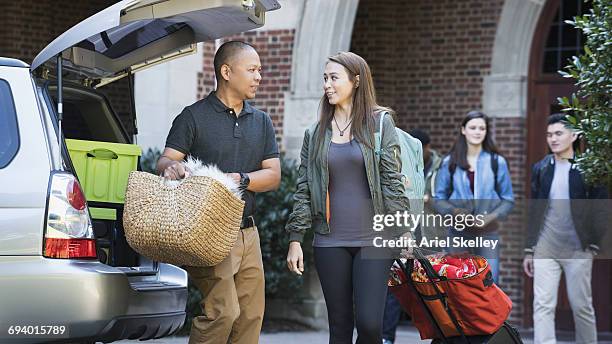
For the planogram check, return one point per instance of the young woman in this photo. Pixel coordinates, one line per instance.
(474, 179)
(342, 184)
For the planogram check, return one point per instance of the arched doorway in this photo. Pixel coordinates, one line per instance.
(554, 43)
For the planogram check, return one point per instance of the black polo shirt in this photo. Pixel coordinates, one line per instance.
(211, 132)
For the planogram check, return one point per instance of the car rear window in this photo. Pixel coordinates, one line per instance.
(119, 41)
(9, 133)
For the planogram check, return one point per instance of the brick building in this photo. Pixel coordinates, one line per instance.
(432, 62)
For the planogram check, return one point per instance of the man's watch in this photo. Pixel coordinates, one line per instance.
(244, 180)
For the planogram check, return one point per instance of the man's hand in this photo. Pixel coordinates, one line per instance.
(407, 252)
(487, 219)
(234, 176)
(461, 211)
(170, 164)
(295, 258)
(528, 265)
(175, 170)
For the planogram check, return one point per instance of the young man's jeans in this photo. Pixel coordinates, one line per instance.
(547, 273)
(393, 312)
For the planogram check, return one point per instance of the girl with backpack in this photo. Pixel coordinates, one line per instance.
(474, 179)
(342, 184)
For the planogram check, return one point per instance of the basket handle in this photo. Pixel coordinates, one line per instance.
(163, 181)
(102, 154)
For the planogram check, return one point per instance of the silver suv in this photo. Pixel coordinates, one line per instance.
(63, 275)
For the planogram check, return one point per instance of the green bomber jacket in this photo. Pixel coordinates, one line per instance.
(385, 183)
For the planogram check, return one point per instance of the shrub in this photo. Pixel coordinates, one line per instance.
(590, 108)
(273, 209)
(148, 160)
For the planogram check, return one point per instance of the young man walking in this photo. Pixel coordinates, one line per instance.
(565, 228)
(223, 129)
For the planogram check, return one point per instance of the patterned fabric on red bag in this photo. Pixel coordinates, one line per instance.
(450, 266)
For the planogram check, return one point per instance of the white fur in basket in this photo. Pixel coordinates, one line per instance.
(195, 167)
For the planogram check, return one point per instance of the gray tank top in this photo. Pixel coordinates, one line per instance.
(351, 207)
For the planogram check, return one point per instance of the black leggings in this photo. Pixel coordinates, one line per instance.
(353, 282)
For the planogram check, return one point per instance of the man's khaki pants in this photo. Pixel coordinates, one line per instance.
(547, 273)
(233, 295)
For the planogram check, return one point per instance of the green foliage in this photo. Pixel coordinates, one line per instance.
(194, 308)
(273, 209)
(148, 160)
(590, 109)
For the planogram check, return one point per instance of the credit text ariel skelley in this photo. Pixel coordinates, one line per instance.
(444, 242)
(411, 221)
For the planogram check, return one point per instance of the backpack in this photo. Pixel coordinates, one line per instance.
(494, 167)
(412, 165)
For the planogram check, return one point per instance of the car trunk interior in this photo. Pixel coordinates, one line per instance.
(88, 116)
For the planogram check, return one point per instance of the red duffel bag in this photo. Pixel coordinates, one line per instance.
(436, 303)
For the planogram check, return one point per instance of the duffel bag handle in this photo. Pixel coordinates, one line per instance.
(429, 270)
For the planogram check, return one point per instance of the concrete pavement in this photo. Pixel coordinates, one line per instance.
(405, 335)
(307, 337)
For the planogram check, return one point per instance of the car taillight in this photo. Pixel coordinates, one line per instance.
(70, 248)
(75, 196)
(69, 233)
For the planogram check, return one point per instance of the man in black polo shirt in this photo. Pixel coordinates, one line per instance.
(225, 130)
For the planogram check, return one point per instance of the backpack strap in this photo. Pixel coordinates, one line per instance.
(495, 167)
(378, 138)
(451, 171)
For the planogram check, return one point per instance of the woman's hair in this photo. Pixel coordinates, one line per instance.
(458, 154)
(364, 100)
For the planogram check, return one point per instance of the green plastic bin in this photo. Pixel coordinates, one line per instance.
(103, 168)
(103, 213)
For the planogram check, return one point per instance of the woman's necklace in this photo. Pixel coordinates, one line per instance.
(342, 130)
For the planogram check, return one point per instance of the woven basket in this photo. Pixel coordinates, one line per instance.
(195, 223)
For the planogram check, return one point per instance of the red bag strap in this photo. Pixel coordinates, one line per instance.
(432, 275)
